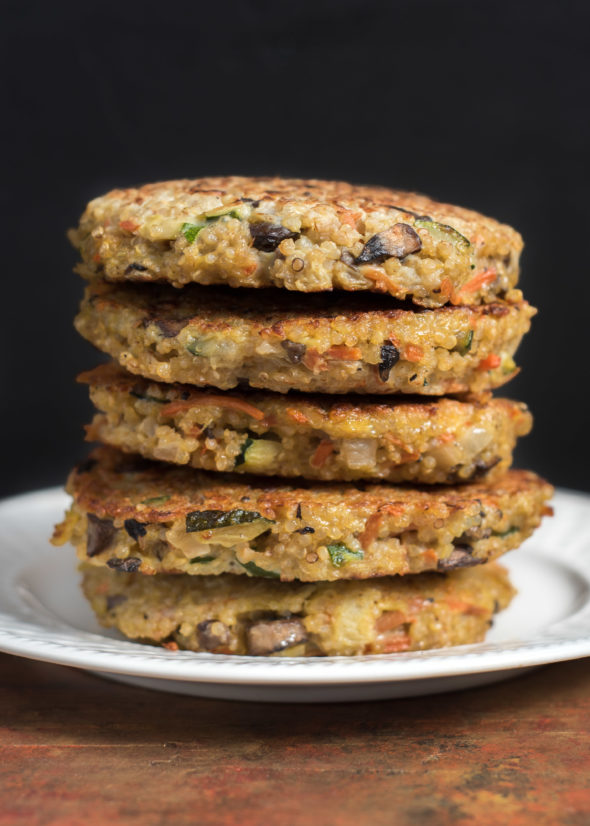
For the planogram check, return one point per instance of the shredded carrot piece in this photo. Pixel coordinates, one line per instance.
(393, 509)
(350, 218)
(390, 620)
(465, 607)
(413, 353)
(345, 353)
(369, 535)
(475, 283)
(446, 287)
(250, 269)
(171, 646)
(490, 362)
(547, 510)
(323, 450)
(381, 280)
(213, 401)
(445, 438)
(397, 642)
(314, 361)
(297, 416)
(410, 456)
(96, 257)
(130, 226)
(429, 555)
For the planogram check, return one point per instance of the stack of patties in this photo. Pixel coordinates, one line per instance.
(302, 455)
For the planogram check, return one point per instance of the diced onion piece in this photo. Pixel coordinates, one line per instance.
(261, 455)
(158, 228)
(198, 541)
(359, 453)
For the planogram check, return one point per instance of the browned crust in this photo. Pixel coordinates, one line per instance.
(113, 485)
(112, 376)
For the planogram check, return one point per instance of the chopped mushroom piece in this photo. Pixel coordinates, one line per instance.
(212, 634)
(266, 237)
(100, 534)
(295, 351)
(396, 242)
(266, 637)
(389, 358)
(461, 557)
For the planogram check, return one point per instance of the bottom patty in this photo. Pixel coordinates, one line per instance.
(234, 615)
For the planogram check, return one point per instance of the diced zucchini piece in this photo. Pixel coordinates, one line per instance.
(226, 528)
(204, 347)
(340, 554)
(258, 454)
(255, 570)
(211, 520)
(200, 560)
(190, 230)
(241, 457)
(504, 534)
(156, 500)
(508, 364)
(464, 341)
(147, 398)
(443, 232)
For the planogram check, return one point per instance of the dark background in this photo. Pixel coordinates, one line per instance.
(482, 103)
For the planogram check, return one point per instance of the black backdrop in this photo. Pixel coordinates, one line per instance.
(479, 102)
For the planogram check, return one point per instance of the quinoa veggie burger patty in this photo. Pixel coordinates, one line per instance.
(276, 341)
(302, 235)
(317, 437)
(231, 615)
(134, 515)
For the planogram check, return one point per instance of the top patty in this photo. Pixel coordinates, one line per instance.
(303, 235)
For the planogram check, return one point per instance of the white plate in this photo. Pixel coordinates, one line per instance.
(44, 616)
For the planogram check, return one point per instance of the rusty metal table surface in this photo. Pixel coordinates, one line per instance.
(76, 749)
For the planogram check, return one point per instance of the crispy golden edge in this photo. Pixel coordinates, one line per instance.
(114, 485)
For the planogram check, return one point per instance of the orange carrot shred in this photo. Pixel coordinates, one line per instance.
(350, 218)
(369, 535)
(297, 416)
(323, 450)
(465, 607)
(345, 353)
(130, 226)
(314, 361)
(380, 279)
(476, 282)
(413, 353)
(213, 401)
(390, 620)
(397, 642)
(446, 287)
(490, 362)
